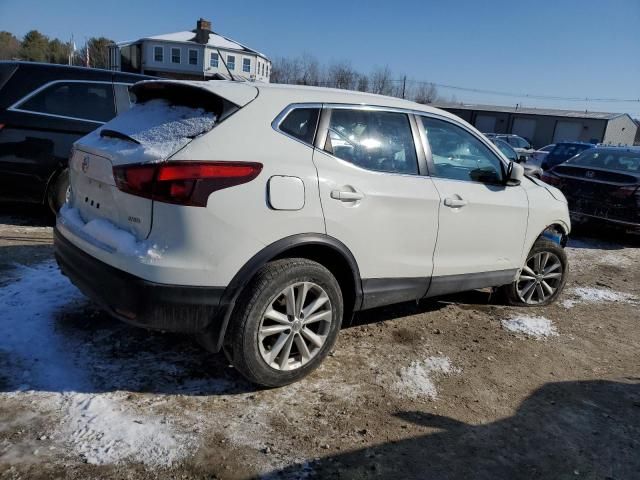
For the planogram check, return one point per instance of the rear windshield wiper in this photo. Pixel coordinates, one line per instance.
(106, 132)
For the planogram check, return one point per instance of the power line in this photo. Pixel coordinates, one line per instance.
(523, 95)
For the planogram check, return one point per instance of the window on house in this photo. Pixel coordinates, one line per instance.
(246, 64)
(158, 54)
(267, 72)
(175, 55)
(375, 140)
(214, 60)
(231, 62)
(193, 57)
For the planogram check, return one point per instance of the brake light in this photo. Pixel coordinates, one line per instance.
(184, 182)
(551, 179)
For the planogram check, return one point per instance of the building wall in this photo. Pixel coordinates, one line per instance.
(620, 131)
(545, 126)
(149, 63)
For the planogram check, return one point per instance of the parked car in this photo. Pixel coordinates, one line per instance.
(601, 184)
(261, 217)
(539, 155)
(562, 152)
(44, 108)
(520, 145)
(513, 156)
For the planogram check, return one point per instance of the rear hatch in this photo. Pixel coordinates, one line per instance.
(600, 192)
(167, 116)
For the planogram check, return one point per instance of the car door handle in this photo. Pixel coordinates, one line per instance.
(455, 202)
(346, 195)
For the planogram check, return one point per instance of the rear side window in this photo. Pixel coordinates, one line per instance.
(375, 140)
(301, 124)
(79, 100)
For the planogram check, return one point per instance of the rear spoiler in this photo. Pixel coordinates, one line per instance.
(208, 95)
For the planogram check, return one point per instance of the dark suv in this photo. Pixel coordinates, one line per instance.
(44, 108)
(563, 151)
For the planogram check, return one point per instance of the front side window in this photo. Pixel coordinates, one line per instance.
(459, 155)
(158, 54)
(193, 57)
(246, 64)
(88, 101)
(375, 140)
(301, 124)
(231, 62)
(214, 60)
(175, 55)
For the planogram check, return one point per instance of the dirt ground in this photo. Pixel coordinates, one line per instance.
(431, 391)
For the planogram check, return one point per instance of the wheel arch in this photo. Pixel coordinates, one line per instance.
(324, 249)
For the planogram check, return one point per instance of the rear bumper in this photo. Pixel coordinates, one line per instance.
(175, 308)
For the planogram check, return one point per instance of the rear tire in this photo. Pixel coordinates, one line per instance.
(534, 287)
(286, 322)
(57, 191)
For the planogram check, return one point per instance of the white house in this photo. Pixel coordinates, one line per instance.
(193, 54)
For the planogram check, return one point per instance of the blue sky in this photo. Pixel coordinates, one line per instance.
(565, 48)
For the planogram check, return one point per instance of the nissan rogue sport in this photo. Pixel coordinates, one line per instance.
(261, 217)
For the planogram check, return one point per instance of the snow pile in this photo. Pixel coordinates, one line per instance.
(102, 433)
(416, 380)
(51, 368)
(107, 233)
(161, 129)
(538, 327)
(596, 295)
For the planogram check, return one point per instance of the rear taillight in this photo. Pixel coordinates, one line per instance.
(551, 179)
(184, 182)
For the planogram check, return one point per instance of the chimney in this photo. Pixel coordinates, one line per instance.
(203, 29)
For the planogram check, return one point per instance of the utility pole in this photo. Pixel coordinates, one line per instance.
(404, 85)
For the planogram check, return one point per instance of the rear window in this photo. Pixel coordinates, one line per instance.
(78, 100)
(623, 161)
(301, 124)
(152, 130)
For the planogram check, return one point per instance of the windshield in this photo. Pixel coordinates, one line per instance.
(623, 161)
(563, 151)
(506, 149)
(519, 142)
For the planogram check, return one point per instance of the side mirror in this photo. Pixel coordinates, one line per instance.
(515, 174)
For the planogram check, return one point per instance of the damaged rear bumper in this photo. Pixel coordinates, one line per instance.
(186, 309)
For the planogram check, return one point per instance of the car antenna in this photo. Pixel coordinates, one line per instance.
(226, 66)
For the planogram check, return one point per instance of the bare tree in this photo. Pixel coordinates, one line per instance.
(286, 70)
(342, 75)
(426, 93)
(381, 81)
(310, 70)
(363, 83)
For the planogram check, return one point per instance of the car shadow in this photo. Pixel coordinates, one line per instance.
(575, 429)
(602, 238)
(21, 215)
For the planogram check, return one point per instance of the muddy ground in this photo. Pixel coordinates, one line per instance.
(436, 390)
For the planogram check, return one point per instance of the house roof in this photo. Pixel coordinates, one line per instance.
(532, 111)
(189, 36)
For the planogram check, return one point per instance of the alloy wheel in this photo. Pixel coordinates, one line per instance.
(295, 326)
(540, 278)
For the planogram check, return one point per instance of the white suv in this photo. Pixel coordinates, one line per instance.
(261, 217)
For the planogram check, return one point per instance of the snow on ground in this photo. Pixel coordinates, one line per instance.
(537, 327)
(596, 295)
(52, 369)
(417, 380)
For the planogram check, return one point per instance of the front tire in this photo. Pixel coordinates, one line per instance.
(286, 322)
(542, 278)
